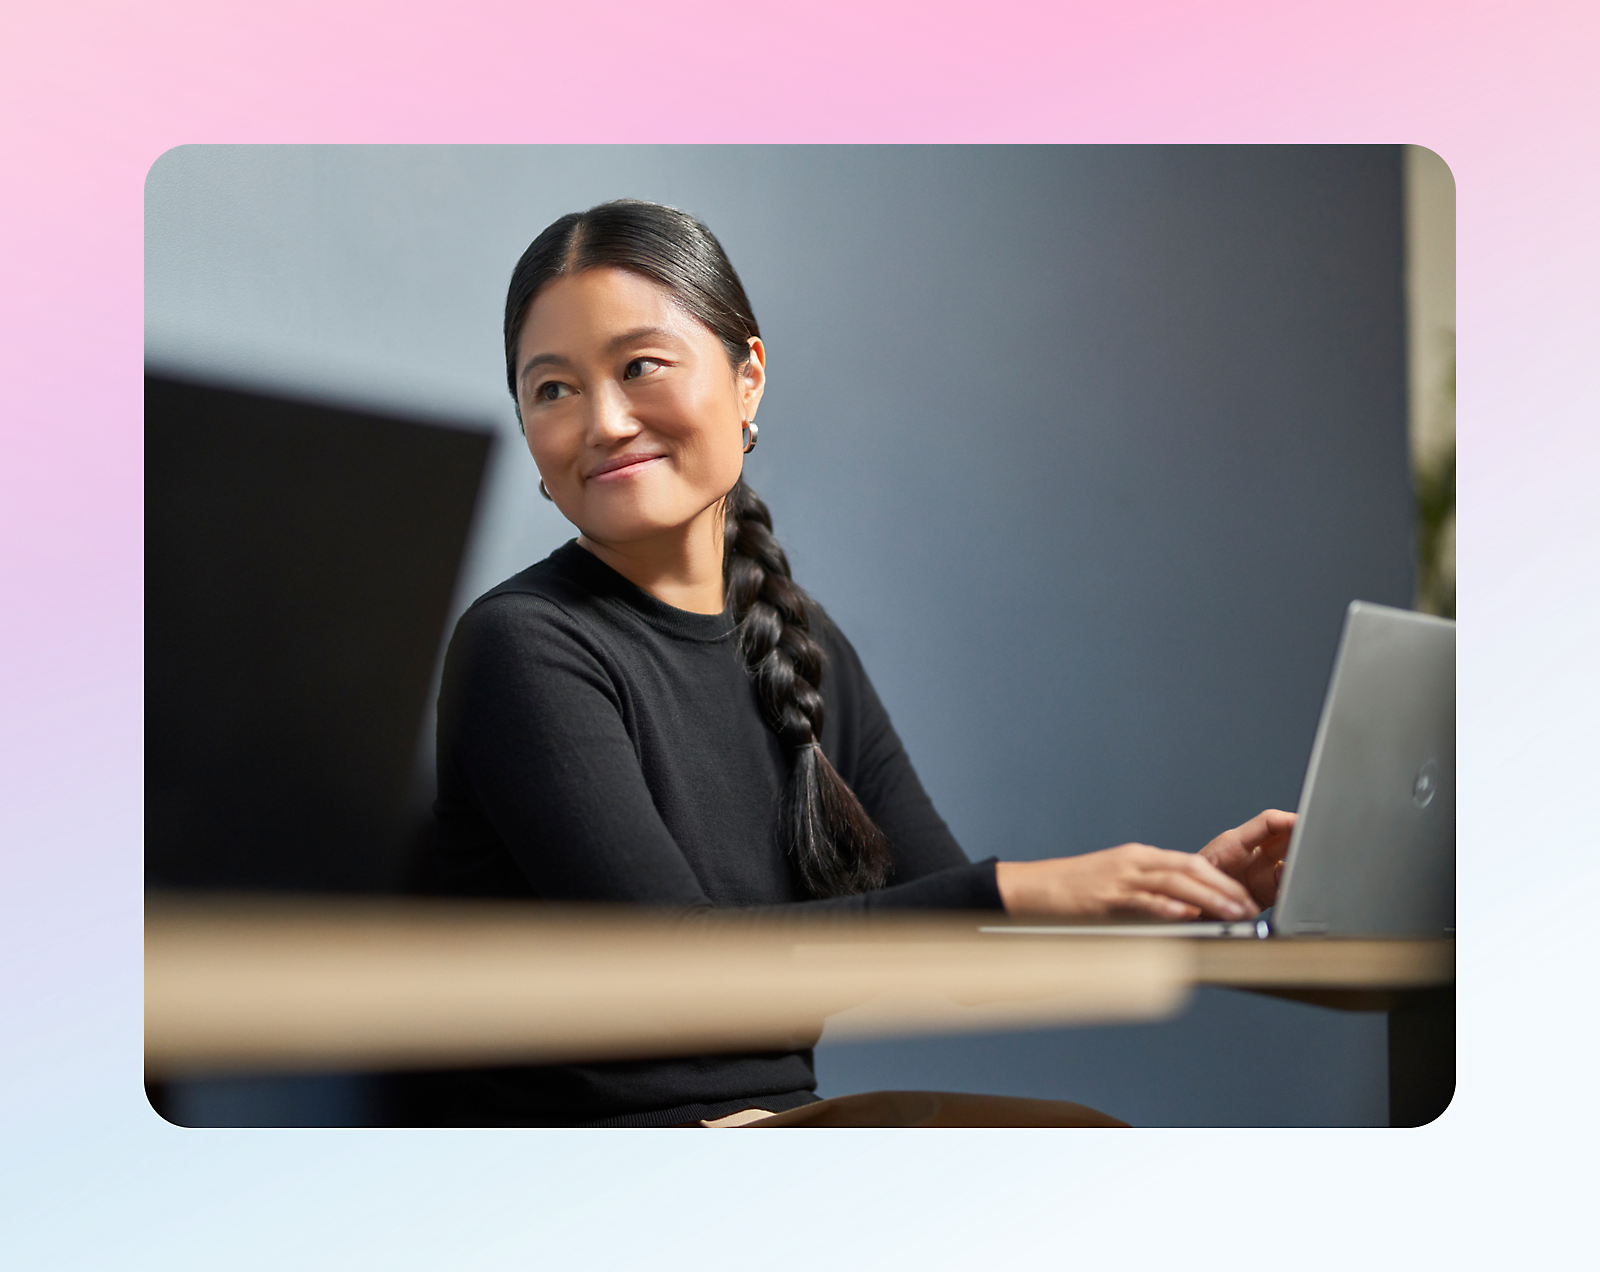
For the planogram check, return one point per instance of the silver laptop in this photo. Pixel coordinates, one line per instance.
(1373, 851)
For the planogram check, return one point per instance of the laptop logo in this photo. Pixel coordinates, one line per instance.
(1427, 784)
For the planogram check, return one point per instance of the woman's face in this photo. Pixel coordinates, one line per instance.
(630, 406)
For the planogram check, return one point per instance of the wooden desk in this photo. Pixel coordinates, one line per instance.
(262, 985)
(1413, 981)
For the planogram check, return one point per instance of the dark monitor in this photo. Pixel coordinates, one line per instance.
(300, 561)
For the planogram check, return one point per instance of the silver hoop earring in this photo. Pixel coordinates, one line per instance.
(751, 433)
(543, 491)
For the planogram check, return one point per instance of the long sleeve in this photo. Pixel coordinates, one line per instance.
(608, 774)
(596, 745)
(535, 730)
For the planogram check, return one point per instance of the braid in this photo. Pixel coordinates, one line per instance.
(827, 833)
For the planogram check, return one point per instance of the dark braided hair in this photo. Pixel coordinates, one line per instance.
(829, 837)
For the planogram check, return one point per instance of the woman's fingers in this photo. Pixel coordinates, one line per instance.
(1203, 871)
(1157, 906)
(1190, 878)
(1184, 886)
(1216, 879)
(1268, 834)
(1268, 830)
(1248, 852)
(1262, 879)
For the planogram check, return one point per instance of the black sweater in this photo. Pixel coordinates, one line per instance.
(596, 744)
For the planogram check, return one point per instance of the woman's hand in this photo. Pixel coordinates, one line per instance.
(1253, 853)
(1131, 880)
(1233, 877)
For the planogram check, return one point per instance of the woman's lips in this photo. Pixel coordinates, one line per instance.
(622, 466)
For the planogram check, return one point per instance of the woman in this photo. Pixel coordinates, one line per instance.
(656, 713)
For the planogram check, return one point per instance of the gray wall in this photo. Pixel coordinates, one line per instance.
(1085, 448)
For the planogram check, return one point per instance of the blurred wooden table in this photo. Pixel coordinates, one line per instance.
(1412, 981)
(283, 984)
(258, 985)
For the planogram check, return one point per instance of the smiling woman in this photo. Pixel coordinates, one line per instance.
(634, 416)
(657, 713)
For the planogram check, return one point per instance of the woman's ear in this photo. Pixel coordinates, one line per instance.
(753, 378)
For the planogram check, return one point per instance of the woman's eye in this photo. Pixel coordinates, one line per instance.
(551, 390)
(638, 367)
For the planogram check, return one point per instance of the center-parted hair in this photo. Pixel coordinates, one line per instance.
(831, 840)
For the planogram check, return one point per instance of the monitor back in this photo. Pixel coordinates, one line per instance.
(300, 563)
(1373, 853)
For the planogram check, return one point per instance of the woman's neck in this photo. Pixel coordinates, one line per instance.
(681, 567)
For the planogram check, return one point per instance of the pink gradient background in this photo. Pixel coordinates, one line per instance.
(94, 92)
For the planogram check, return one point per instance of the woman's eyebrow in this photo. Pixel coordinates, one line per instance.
(542, 360)
(638, 334)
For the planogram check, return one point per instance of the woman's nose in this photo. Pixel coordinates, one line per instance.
(610, 416)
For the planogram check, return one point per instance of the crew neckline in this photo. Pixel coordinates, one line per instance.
(582, 567)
